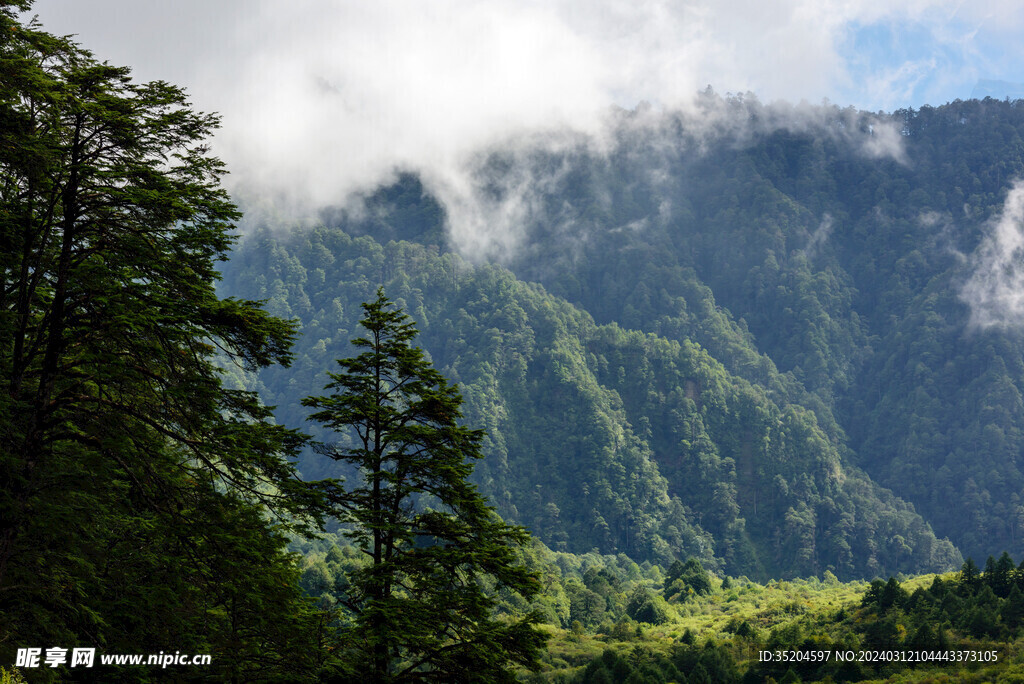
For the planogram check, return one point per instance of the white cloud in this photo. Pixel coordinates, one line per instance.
(995, 289)
(321, 100)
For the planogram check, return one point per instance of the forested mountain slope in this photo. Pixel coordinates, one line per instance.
(777, 296)
(599, 437)
(851, 270)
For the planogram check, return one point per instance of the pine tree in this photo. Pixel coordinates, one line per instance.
(420, 608)
(970, 576)
(1000, 578)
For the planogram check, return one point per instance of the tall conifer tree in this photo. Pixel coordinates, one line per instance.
(134, 486)
(419, 610)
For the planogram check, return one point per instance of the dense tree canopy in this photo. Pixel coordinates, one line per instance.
(818, 254)
(597, 437)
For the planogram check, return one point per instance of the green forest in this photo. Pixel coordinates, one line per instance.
(748, 381)
(829, 381)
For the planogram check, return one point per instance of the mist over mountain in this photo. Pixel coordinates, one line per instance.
(784, 341)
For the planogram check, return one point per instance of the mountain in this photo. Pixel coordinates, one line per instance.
(997, 90)
(851, 271)
(764, 336)
(598, 437)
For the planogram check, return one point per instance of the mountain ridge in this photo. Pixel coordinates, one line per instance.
(820, 277)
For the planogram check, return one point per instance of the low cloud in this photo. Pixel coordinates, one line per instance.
(819, 237)
(322, 102)
(995, 288)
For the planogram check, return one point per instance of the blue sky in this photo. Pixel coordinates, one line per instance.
(900, 62)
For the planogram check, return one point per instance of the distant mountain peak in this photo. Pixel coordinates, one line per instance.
(997, 89)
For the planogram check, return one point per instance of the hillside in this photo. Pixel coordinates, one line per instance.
(757, 343)
(598, 437)
(612, 620)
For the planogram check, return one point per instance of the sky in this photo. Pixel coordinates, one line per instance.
(849, 51)
(324, 99)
